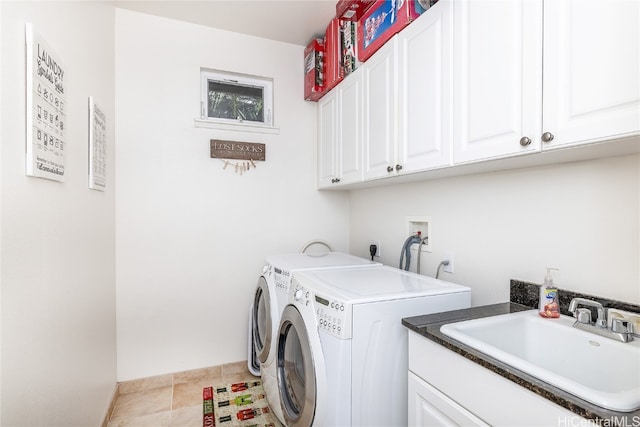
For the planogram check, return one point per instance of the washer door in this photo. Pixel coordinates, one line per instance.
(262, 322)
(298, 369)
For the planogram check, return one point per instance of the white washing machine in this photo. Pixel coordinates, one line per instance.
(272, 295)
(342, 350)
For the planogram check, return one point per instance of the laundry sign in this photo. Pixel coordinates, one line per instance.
(45, 107)
(237, 150)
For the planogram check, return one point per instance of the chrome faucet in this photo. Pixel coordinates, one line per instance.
(621, 330)
(601, 321)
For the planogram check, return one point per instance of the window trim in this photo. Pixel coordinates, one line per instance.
(207, 75)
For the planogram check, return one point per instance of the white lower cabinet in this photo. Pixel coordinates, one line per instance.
(429, 407)
(446, 389)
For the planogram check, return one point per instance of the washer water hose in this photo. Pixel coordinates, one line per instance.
(422, 242)
(406, 250)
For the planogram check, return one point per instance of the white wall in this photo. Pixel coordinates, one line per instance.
(583, 218)
(58, 246)
(191, 237)
(1, 97)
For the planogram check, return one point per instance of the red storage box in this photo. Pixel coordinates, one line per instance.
(382, 21)
(348, 44)
(334, 73)
(352, 10)
(314, 70)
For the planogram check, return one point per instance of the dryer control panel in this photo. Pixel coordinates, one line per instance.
(332, 315)
(281, 277)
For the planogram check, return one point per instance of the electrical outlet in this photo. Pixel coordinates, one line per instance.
(377, 243)
(448, 268)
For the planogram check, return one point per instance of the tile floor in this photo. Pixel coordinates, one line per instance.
(172, 400)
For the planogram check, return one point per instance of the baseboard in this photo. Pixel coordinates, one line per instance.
(112, 404)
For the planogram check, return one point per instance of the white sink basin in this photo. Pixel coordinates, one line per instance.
(599, 370)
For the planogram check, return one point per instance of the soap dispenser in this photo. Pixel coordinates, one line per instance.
(549, 305)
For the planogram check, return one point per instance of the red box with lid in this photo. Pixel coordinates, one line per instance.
(382, 21)
(334, 73)
(348, 44)
(352, 10)
(314, 70)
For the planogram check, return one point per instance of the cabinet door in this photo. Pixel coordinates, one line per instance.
(327, 139)
(350, 129)
(497, 78)
(429, 407)
(379, 112)
(591, 71)
(424, 90)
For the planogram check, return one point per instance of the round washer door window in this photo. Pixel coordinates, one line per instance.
(262, 320)
(296, 373)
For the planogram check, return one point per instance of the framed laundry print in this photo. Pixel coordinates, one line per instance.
(45, 109)
(97, 147)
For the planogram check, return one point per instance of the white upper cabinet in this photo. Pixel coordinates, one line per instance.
(327, 139)
(340, 134)
(591, 71)
(350, 129)
(476, 80)
(424, 90)
(407, 93)
(380, 112)
(497, 72)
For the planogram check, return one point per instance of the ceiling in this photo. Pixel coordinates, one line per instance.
(291, 21)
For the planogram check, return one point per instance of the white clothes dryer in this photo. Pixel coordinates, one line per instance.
(272, 295)
(342, 350)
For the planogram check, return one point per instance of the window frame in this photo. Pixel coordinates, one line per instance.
(207, 75)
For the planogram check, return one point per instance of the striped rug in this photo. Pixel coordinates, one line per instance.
(238, 404)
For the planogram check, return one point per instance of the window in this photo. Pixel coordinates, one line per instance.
(236, 98)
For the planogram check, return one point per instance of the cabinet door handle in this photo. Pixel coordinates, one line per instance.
(335, 180)
(389, 168)
(547, 137)
(524, 141)
(398, 168)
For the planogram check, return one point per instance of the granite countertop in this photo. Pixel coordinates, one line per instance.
(429, 327)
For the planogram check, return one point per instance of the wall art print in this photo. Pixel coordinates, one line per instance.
(97, 147)
(46, 114)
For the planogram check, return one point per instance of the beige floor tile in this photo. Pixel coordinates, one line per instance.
(197, 375)
(160, 419)
(235, 368)
(133, 386)
(187, 417)
(142, 403)
(190, 394)
(173, 400)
